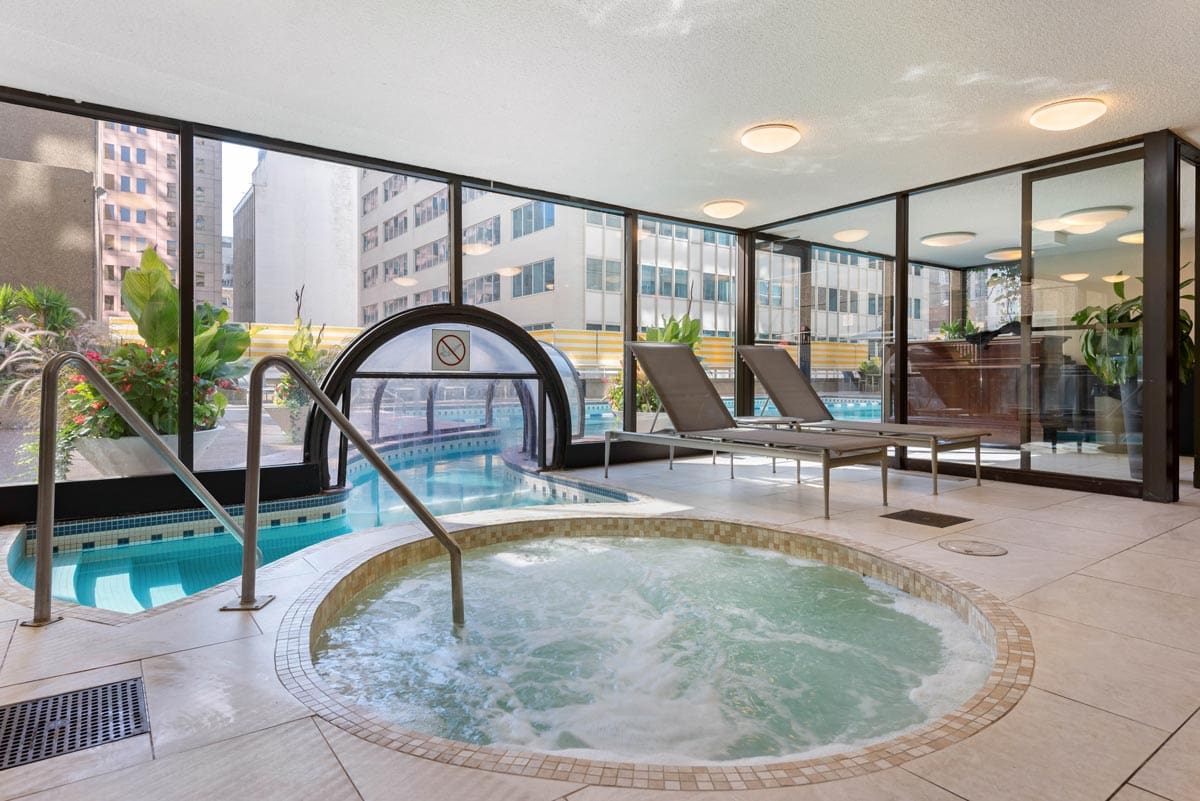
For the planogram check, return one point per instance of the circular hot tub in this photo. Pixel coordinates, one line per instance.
(694, 653)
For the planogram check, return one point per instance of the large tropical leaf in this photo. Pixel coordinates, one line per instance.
(153, 301)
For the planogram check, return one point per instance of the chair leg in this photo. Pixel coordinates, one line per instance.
(883, 468)
(670, 457)
(825, 480)
(731, 464)
(933, 457)
(978, 469)
(607, 451)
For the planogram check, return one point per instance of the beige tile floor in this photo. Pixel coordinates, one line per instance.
(1109, 588)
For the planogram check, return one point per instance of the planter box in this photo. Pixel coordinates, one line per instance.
(291, 421)
(132, 456)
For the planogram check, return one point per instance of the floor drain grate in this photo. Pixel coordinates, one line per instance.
(926, 518)
(59, 724)
(973, 547)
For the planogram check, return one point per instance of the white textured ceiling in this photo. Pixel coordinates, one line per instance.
(633, 102)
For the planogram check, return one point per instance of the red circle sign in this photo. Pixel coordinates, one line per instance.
(450, 350)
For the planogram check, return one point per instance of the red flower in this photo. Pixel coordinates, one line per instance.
(92, 356)
(80, 420)
(72, 390)
(98, 405)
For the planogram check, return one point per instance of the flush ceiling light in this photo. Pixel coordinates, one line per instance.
(773, 137)
(509, 271)
(1073, 276)
(1004, 254)
(1117, 279)
(724, 209)
(477, 248)
(1096, 214)
(1066, 115)
(1133, 238)
(404, 281)
(851, 235)
(1051, 225)
(642, 233)
(1084, 228)
(947, 239)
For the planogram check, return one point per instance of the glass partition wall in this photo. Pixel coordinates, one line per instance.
(987, 311)
(825, 294)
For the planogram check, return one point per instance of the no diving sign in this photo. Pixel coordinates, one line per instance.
(451, 350)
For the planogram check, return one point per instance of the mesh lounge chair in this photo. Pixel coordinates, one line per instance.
(803, 409)
(701, 421)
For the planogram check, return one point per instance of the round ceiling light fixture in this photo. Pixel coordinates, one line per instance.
(642, 233)
(1004, 254)
(476, 248)
(947, 239)
(851, 235)
(771, 137)
(1084, 228)
(724, 209)
(1067, 115)
(1096, 214)
(1051, 225)
(404, 280)
(1073, 276)
(509, 271)
(1117, 279)
(1133, 238)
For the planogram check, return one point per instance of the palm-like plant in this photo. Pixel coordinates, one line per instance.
(1112, 343)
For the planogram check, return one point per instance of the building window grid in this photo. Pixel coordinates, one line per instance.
(393, 185)
(370, 201)
(370, 276)
(484, 289)
(532, 217)
(534, 279)
(485, 233)
(395, 306)
(430, 208)
(395, 267)
(395, 226)
(431, 254)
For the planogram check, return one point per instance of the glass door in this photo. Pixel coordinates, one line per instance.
(1080, 299)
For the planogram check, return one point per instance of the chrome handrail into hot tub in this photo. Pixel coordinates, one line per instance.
(47, 449)
(253, 442)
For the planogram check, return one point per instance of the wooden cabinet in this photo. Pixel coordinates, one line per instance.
(956, 381)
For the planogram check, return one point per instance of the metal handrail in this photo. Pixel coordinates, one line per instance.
(47, 448)
(253, 443)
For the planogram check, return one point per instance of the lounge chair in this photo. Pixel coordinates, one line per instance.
(701, 421)
(802, 409)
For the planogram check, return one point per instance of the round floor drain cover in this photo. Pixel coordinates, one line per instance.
(973, 547)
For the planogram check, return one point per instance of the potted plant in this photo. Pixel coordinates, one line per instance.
(957, 329)
(684, 329)
(1111, 346)
(291, 401)
(148, 376)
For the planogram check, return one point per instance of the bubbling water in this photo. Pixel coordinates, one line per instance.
(653, 650)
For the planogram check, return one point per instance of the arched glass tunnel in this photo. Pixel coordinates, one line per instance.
(442, 380)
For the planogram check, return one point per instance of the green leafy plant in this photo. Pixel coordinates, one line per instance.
(1112, 342)
(147, 374)
(1004, 288)
(35, 324)
(683, 329)
(957, 329)
(869, 367)
(305, 349)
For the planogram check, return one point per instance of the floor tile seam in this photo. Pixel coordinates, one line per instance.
(1083, 529)
(1129, 779)
(96, 775)
(1131, 783)
(906, 767)
(251, 733)
(1081, 572)
(70, 673)
(1170, 556)
(1175, 649)
(1013, 603)
(1165, 732)
(12, 635)
(337, 758)
(146, 701)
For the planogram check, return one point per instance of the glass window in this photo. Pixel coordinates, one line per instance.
(124, 152)
(370, 201)
(142, 185)
(430, 208)
(532, 217)
(370, 239)
(141, 155)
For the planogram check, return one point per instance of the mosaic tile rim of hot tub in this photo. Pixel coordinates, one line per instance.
(1011, 674)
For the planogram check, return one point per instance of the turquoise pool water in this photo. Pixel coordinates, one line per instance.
(651, 649)
(599, 416)
(133, 577)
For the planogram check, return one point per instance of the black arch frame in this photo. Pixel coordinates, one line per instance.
(346, 367)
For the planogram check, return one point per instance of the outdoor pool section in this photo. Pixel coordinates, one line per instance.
(600, 417)
(622, 647)
(132, 564)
